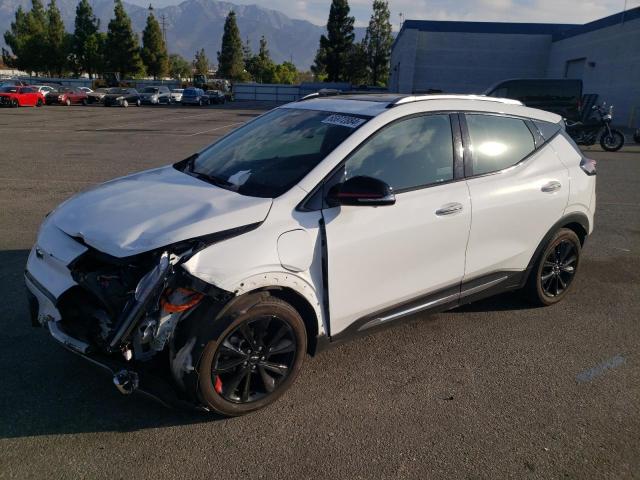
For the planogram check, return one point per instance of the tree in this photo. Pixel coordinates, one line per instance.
(336, 46)
(154, 51)
(88, 43)
(201, 63)
(379, 40)
(230, 56)
(358, 64)
(286, 73)
(57, 45)
(27, 39)
(122, 50)
(179, 67)
(260, 66)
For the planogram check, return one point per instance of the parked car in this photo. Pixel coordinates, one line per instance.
(194, 96)
(156, 95)
(122, 97)
(562, 96)
(44, 89)
(216, 96)
(14, 96)
(97, 95)
(317, 222)
(66, 96)
(176, 94)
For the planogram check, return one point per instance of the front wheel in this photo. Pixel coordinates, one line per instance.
(612, 142)
(555, 269)
(255, 360)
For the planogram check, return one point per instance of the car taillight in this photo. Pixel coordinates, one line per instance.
(588, 165)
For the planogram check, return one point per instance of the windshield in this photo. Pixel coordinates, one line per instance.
(9, 89)
(118, 91)
(268, 156)
(177, 90)
(150, 90)
(190, 92)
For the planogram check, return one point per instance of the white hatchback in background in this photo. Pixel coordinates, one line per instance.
(316, 222)
(176, 95)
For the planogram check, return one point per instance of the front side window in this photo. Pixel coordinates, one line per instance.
(407, 154)
(497, 142)
(268, 156)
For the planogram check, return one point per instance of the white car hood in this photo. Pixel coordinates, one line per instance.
(151, 209)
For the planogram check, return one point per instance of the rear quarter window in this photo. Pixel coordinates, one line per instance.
(497, 142)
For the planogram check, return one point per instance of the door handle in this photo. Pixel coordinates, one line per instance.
(449, 209)
(551, 187)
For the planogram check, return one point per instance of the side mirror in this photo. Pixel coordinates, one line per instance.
(363, 191)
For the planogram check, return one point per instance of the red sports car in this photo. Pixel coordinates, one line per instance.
(13, 96)
(67, 96)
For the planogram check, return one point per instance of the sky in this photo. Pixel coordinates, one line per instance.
(554, 11)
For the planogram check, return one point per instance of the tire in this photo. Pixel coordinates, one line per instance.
(67, 102)
(636, 136)
(613, 142)
(84, 102)
(138, 103)
(15, 103)
(555, 269)
(271, 316)
(199, 103)
(125, 104)
(39, 103)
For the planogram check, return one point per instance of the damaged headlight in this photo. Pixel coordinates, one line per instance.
(151, 279)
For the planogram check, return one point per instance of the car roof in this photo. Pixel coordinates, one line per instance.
(373, 104)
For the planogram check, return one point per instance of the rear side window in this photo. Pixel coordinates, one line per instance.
(547, 129)
(497, 142)
(410, 153)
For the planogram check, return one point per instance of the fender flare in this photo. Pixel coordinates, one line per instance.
(579, 218)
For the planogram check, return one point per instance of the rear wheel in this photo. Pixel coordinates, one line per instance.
(255, 360)
(612, 142)
(555, 268)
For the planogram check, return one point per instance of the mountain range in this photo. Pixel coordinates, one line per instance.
(195, 24)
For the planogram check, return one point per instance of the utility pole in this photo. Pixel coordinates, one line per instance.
(163, 21)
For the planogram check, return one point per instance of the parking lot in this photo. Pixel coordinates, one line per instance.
(491, 390)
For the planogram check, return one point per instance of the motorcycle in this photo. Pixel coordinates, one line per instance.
(597, 129)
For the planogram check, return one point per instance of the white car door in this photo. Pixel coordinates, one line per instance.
(518, 192)
(386, 256)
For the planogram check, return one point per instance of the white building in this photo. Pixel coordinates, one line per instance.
(466, 57)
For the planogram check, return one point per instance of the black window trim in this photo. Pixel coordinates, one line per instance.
(468, 153)
(458, 165)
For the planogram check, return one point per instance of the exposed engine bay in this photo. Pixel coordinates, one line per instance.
(128, 310)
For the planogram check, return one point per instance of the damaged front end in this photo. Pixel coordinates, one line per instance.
(125, 315)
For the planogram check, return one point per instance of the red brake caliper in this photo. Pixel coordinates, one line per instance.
(218, 385)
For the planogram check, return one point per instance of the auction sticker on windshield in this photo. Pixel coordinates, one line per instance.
(344, 121)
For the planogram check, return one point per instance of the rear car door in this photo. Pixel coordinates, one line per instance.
(519, 189)
(390, 257)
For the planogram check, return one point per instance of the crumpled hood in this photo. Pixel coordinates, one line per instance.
(151, 209)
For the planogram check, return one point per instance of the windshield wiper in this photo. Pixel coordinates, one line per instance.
(189, 167)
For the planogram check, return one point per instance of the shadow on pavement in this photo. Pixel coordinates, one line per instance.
(47, 390)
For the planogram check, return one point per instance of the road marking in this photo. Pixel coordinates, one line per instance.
(214, 129)
(600, 369)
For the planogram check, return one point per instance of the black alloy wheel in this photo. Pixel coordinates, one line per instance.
(555, 269)
(559, 268)
(254, 359)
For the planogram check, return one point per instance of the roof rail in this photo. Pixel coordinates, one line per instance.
(323, 92)
(438, 96)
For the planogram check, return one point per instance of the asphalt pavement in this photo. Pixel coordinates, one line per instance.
(494, 390)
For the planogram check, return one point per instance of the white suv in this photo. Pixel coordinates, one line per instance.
(316, 222)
